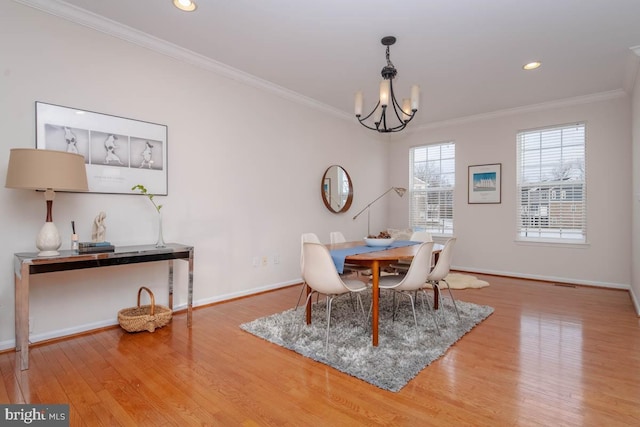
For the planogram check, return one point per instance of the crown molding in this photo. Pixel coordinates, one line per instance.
(104, 25)
(568, 102)
(99, 23)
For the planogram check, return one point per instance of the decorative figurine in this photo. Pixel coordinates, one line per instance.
(99, 228)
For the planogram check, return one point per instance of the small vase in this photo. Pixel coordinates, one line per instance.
(160, 243)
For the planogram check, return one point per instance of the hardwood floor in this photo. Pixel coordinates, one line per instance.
(548, 356)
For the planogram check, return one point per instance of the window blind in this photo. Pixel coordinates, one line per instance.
(551, 189)
(432, 174)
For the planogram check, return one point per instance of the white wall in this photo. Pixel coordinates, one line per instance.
(486, 233)
(245, 172)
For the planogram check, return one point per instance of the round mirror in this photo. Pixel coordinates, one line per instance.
(337, 189)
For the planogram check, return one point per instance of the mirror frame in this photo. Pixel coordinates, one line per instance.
(327, 203)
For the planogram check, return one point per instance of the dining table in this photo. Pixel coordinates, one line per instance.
(377, 260)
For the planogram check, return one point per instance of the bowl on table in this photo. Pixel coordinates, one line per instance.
(378, 242)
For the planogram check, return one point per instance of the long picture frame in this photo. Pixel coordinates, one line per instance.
(485, 183)
(119, 153)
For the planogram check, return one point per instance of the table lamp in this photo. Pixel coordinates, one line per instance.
(399, 191)
(50, 171)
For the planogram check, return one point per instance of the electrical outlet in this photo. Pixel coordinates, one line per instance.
(256, 261)
(276, 259)
(265, 261)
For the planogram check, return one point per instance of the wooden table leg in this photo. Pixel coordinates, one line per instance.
(375, 297)
(308, 308)
(436, 291)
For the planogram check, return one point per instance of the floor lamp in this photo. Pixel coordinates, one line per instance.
(399, 191)
(48, 171)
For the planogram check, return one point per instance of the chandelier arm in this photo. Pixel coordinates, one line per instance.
(370, 114)
(396, 107)
(367, 126)
(383, 119)
(395, 103)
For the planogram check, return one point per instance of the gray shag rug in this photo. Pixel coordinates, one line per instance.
(402, 351)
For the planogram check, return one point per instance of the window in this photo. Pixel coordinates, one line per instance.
(551, 184)
(432, 172)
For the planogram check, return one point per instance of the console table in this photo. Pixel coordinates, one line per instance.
(26, 264)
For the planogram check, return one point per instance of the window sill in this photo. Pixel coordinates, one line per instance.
(554, 244)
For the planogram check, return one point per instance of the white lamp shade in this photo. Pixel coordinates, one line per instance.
(33, 169)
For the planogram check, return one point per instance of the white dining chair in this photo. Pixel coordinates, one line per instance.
(305, 237)
(338, 237)
(437, 276)
(320, 274)
(402, 265)
(421, 236)
(412, 282)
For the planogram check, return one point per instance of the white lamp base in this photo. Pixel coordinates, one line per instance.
(48, 240)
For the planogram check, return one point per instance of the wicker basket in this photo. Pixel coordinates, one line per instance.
(146, 317)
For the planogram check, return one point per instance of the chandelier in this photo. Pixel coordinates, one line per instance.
(388, 115)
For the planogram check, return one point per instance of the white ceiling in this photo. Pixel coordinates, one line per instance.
(466, 55)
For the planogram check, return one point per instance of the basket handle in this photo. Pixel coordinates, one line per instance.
(153, 300)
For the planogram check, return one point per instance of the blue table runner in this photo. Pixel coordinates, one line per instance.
(338, 255)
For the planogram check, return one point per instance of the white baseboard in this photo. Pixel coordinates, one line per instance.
(544, 278)
(248, 292)
(636, 301)
(59, 333)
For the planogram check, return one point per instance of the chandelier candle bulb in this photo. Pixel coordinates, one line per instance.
(415, 97)
(359, 103)
(384, 93)
(406, 109)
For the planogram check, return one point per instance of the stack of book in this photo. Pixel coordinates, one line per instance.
(91, 247)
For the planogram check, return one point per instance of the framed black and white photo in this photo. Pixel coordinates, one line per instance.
(118, 152)
(485, 183)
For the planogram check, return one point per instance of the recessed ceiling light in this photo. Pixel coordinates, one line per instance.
(186, 5)
(532, 65)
